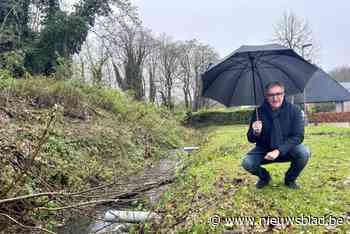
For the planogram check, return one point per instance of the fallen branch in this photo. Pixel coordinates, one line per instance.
(29, 196)
(134, 191)
(9, 113)
(25, 226)
(89, 203)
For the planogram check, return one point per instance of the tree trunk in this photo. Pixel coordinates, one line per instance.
(169, 101)
(133, 76)
(186, 99)
(164, 98)
(152, 87)
(197, 94)
(120, 81)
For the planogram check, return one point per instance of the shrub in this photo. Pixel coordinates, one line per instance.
(63, 69)
(324, 107)
(329, 117)
(204, 118)
(13, 62)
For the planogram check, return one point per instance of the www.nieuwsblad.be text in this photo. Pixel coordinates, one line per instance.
(270, 220)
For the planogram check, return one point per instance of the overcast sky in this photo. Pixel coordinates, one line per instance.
(227, 24)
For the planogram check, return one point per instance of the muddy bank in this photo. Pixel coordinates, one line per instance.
(148, 185)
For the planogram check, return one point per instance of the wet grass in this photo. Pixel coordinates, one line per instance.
(216, 184)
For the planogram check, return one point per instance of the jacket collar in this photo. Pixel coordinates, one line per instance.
(266, 106)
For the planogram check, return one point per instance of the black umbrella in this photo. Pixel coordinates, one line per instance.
(322, 88)
(240, 78)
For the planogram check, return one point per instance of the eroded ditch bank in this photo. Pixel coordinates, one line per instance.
(121, 215)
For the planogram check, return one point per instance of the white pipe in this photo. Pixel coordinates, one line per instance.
(190, 148)
(129, 216)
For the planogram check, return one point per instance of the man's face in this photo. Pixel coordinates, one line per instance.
(275, 96)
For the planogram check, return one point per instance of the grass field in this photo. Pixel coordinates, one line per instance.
(216, 184)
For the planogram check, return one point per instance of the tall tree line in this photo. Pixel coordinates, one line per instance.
(105, 43)
(154, 68)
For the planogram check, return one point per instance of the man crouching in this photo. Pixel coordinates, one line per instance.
(278, 134)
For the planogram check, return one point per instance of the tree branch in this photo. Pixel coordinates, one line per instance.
(89, 203)
(25, 226)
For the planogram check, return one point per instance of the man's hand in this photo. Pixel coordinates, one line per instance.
(257, 127)
(272, 155)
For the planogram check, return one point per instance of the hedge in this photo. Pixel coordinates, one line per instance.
(206, 118)
(327, 117)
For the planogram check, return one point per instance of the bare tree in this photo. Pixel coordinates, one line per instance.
(186, 62)
(169, 68)
(195, 58)
(97, 60)
(152, 70)
(113, 51)
(92, 61)
(129, 44)
(294, 33)
(203, 57)
(341, 74)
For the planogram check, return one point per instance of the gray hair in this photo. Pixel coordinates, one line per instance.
(273, 84)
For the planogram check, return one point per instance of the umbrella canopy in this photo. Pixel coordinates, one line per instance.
(322, 88)
(240, 78)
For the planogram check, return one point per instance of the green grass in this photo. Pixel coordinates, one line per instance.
(215, 183)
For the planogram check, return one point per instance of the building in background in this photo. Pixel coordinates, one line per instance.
(344, 106)
(323, 94)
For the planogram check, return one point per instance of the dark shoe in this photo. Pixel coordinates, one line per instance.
(292, 185)
(262, 183)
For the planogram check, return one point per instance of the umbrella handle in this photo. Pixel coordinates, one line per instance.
(256, 114)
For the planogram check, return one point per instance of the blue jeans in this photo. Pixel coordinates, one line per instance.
(298, 156)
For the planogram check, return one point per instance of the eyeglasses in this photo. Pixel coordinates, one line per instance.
(271, 95)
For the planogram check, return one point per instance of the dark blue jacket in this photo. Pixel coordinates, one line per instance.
(292, 127)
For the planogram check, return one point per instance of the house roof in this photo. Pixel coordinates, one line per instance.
(345, 85)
